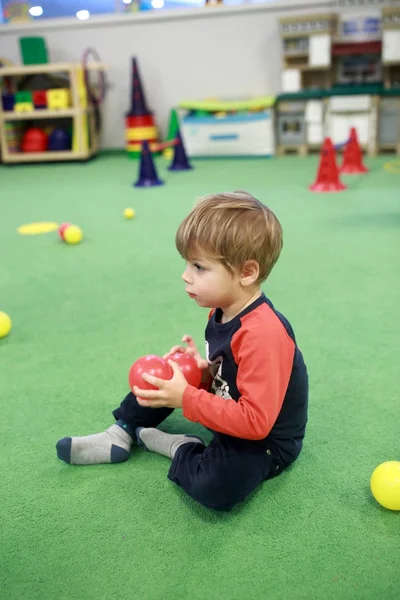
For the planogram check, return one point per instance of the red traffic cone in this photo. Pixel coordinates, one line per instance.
(328, 174)
(352, 156)
(147, 171)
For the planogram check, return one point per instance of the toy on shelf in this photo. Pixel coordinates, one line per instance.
(59, 140)
(58, 99)
(228, 127)
(139, 121)
(23, 102)
(34, 140)
(33, 50)
(8, 101)
(12, 136)
(39, 98)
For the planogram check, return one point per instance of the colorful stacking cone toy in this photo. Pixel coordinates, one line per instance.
(180, 160)
(139, 121)
(352, 156)
(147, 170)
(328, 174)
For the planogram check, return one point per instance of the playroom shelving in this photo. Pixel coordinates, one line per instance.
(81, 112)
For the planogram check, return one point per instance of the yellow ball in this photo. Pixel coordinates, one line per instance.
(5, 324)
(385, 484)
(73, 234)
(129, 213)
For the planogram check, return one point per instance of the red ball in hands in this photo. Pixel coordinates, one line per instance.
(62, 228)
(188, 365)
(151, 364)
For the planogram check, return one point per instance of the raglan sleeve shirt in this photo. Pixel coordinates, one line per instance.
(264, 366)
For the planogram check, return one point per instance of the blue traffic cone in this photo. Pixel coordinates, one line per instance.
(147, 170)
(138, 99)
(180, 160)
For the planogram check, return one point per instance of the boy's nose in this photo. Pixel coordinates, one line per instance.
(185, 276)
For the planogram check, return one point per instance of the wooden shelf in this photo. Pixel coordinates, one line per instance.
(47, 68)
(12, 115)
(296, 54)
(313, 68)
(85, 134)
(20, 157)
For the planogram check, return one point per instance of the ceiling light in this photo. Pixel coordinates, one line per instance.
(36, 11)
(83, 15)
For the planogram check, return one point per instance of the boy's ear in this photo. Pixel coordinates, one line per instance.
(250, 272)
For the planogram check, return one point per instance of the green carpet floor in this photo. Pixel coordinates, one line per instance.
(81, 316)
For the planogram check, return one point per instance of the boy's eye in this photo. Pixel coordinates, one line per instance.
(198, 267)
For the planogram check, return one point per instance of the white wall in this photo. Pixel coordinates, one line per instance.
(196, 53)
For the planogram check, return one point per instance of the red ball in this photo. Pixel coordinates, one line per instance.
(189, 368)
(151, 364)
(62, 228)
(34, 140)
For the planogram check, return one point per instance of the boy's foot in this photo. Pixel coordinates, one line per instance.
(110, 446)
(166, 444)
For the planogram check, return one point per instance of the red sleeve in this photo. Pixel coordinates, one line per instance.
(264, 369)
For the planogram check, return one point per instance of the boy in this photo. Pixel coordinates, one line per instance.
(254, 394)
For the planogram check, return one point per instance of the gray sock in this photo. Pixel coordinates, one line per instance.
(166, 444)
(110, 446)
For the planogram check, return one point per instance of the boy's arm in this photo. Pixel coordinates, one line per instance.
(262, 379)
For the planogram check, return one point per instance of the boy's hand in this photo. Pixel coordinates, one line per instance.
(170, 392)
(191, 349)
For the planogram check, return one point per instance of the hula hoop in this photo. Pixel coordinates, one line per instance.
(96, 98)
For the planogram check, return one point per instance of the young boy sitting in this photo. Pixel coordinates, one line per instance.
(254, 394)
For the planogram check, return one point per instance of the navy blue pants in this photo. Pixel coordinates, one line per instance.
(219, 475)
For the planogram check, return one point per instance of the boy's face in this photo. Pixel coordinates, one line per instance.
(209, 283)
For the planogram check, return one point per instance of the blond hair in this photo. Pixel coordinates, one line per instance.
(232, 228)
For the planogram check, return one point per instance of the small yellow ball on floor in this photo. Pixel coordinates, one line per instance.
(129, 213)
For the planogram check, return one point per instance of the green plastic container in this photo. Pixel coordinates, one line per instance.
(33, 50)
(23, 96)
